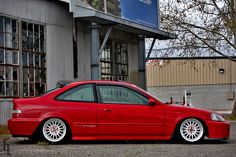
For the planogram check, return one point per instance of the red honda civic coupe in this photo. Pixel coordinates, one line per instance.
(107, 110)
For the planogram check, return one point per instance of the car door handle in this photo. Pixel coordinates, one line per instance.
(107, 110)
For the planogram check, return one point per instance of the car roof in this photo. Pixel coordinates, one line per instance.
(102, 82)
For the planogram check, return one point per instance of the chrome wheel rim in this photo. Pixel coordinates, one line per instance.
(54, 130)
(191, 130)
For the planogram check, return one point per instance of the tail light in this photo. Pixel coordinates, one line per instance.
(16, 110)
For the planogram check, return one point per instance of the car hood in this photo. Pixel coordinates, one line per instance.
(188, 110)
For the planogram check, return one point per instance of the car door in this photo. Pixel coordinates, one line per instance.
(125, 111)
(80, 105)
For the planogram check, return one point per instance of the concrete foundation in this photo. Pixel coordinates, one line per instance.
(213, 97)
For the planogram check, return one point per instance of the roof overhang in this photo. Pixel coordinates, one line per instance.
(92, 15)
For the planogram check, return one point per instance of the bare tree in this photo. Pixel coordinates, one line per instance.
(203, 27)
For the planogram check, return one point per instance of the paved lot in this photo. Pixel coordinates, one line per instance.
(23, 148)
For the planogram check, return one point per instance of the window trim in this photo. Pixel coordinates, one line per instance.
(19, 49)
(114, 75)
(12, 50)
(41, 68)
(124, 86)
(94, 93)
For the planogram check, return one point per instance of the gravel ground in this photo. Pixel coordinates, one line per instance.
(23, 148)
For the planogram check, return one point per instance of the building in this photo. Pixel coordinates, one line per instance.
(210, 80)
(44, 41)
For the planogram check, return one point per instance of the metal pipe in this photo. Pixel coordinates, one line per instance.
(105, 6)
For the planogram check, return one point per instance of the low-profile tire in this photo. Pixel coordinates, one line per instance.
(54, 130)
(191, 130)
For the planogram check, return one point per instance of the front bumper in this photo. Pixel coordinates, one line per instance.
(218, 130)
(22, 127)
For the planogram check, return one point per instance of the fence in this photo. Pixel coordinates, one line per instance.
(5, 110)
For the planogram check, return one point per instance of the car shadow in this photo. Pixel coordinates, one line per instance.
(205, 141)
(107, 142)
(211, 141)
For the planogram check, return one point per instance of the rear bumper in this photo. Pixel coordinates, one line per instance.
(22, 127)
(218, 130)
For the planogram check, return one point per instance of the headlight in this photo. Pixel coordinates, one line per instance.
(217, 117)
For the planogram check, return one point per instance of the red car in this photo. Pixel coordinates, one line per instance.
(104, 110)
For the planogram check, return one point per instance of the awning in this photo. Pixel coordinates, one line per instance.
(92, 15)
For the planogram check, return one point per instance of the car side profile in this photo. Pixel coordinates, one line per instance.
(109, 110)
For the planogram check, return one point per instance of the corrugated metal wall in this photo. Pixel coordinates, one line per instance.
(6, 107)
(190, 72)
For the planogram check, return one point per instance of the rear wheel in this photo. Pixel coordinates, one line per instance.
(191, 130)
(54, 130)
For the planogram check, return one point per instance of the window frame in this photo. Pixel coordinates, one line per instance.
(116, 65)
(107, 51)
(34, 63)
(18, 49)
(122, 48)
(11, 50)
(124, 86)
(93, 89)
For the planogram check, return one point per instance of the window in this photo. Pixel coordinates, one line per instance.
(79, 93)
(121, 61)
(120, 95)
(9, 58)
(114, 61)
(107, 62)
(33, 57)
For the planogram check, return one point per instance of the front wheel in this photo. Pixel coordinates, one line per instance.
(54, 130)
(191, 130)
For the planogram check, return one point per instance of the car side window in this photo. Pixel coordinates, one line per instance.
(79, 93)
(120, 95)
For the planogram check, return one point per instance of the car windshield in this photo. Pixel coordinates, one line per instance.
(150, 94)
(163, 101)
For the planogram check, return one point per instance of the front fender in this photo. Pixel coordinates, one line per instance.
(174, 119)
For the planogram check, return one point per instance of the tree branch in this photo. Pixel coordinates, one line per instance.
(207, 30)
(211, 47)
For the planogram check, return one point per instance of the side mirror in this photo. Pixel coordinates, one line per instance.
(151, 102)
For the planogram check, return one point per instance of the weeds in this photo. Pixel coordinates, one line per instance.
(4, 132)
(42, 143)
(230, 117)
